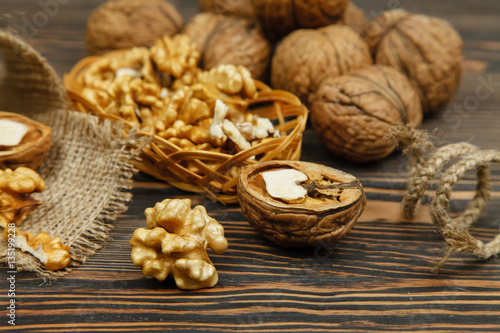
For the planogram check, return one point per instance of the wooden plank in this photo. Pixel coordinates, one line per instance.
(376, 279)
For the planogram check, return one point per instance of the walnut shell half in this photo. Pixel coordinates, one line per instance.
(328, 211)
(32, 149)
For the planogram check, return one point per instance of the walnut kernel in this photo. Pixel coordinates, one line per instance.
(176, 241)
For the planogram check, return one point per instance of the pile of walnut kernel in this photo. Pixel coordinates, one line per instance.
(161, 90)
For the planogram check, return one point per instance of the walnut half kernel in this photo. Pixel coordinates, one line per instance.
(298, 204)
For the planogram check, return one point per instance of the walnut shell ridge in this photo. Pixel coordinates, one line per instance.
(230, 40)
(306, 56)
(353, 113)
(427, 49)
(314, 222)
(119, 24)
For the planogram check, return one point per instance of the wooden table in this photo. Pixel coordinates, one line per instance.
(378, 278)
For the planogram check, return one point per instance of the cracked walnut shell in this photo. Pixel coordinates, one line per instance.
(325, 212)
(119, 24)
(427, 49)
(306, 56)
(32, 148)
(353, 113)
(175, 242)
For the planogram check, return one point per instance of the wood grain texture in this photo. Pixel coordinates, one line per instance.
(376, 279)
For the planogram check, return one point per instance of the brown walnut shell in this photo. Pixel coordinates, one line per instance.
(119, 24)
(230, 40)
(279, 17)
(33, 148)
(334, 202)
(306, 56)
(355, 18)
(427, 49)
(353, 113)
(243, 8)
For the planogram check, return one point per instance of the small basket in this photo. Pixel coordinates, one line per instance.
(215, 173)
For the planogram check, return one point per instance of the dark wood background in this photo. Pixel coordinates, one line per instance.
(377, 278)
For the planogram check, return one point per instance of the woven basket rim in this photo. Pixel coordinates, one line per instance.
(214, 182)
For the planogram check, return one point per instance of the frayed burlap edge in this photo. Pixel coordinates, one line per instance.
(88, 175)
(426, 162)
(83, 147)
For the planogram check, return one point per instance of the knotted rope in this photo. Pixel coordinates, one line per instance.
(425, 162)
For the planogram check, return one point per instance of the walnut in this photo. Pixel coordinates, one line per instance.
(197, 134)
(101, 74)
(306, 56)
(280, 17)
(23, 141)
(119, 24)
(230, 40)
(175, 242)
(353, 113)
(229, 80)
(355, 18)
(52, 253)
(16, 188)
(240, 133)
(243, 8)
(297, 204)
(176, 55)
(427, 49)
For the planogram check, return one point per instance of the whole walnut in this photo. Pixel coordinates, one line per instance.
(118, 24)
(306, 56)
(427, 49)
(353, 113)
(242, 8)
(355, 18)
(279, 17)
(230, 40)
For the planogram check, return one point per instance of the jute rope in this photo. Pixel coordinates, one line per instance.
(426, 162)
(88, 169)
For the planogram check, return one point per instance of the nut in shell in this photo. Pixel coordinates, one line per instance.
(279, 17)
(231, 40)
(353, 113)
(320, 206)
(119, 24)
(307, 56)
(32, 145)
(427, 49)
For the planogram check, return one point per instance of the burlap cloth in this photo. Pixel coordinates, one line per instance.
(88, 170)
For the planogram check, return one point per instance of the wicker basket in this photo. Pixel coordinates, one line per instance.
(212, 173)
